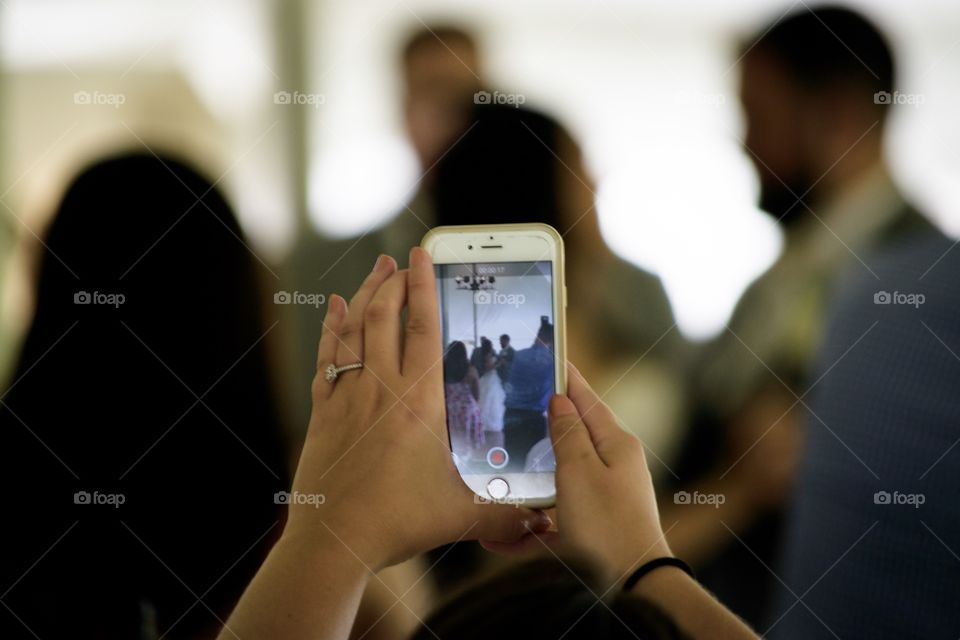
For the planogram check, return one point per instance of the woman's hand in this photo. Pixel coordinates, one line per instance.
(606, 507)
(376, 482)
(376, 474)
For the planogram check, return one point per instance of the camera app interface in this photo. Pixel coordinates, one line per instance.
(498, 366)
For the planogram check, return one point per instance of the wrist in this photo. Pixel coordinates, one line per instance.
(658, 580)
(656, 564)
(652, 549)
(320, 550)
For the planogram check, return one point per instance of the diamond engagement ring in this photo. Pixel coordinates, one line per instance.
(332, 372)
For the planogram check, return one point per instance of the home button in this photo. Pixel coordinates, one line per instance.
(498, 488)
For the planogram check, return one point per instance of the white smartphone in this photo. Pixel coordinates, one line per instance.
(502, 314)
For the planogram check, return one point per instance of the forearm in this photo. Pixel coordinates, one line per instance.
(305, 589)
(691, 606)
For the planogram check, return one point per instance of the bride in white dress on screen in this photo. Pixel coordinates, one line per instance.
(492, 395)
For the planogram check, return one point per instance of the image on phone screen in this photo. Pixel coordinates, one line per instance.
(497, 328)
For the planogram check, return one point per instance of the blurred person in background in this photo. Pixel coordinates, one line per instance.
(478, 356)
(439, 69)
(442, 72)
(812, 89)
(531, 385)
(877, 486)
(461, 389)
(140, 448)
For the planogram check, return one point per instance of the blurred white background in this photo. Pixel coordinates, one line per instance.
(647, 88)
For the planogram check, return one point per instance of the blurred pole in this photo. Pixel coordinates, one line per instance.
(291, 20)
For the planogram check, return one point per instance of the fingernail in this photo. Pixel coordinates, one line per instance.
(538, 522)
(561, 405)
(417, 256)
(334, 305)
(382, 262)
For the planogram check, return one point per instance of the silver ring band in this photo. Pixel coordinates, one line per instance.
(331, 373)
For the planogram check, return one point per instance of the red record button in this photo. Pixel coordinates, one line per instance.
(497, 457)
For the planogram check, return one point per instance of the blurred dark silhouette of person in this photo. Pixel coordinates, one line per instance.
(530, 387)
(505, 360)
(516, 164)
(141, 452)
(812, 89)
(461, 392)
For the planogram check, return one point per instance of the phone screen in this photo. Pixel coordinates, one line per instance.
(497, 325)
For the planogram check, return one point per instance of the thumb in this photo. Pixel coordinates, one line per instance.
(506, 523)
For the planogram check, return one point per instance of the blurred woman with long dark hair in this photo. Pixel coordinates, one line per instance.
(461, 389)
(139, 441)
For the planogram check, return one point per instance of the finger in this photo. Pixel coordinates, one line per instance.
(601, 421)
(350, 344)
(381, 325)
(529, 545)
(327, 351)
(506, 523)
(422, 352)
(570, 438)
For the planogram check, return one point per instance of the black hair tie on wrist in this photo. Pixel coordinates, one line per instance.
(666, 561)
